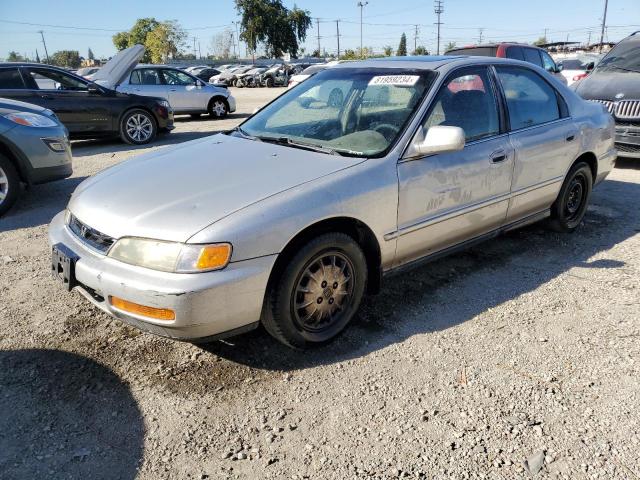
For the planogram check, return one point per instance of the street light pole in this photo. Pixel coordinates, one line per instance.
(604, 23)
(361, 5)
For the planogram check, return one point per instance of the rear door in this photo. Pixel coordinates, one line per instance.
(448, 198)
(12, 85)
(68, 96)
(543, 135)
(147, 82)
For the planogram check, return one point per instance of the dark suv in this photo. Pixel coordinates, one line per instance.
(87, 110)
(516, 51)
(615, 82)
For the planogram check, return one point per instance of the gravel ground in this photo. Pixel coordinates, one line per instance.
(517, 358)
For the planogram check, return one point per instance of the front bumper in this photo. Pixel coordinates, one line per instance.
(232, 103)
(205, 304)
(628, 140)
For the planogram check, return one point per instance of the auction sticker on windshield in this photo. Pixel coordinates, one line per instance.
(396, 80)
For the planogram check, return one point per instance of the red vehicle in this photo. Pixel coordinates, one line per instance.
(517, 51)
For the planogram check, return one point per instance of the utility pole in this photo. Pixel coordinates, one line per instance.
(604, 23)
(195, 52)
(438, 9)
(589, 40)
(338, 36)
(480, 31)
(361, 5)
(415, 40)
(545, 35)
(233, 42)
(46, 53)
(199, 51)
(318, 24)
(238, 37)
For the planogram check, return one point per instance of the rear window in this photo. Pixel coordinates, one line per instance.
(475, 51)
(10, 78)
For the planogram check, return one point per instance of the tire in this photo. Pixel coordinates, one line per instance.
(569, 208)
(302, 312)
(9, 184)
(129, 131)
(269, 82)
(218, 107)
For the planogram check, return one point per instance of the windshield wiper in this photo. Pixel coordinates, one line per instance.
(305, 146)
(244, 133)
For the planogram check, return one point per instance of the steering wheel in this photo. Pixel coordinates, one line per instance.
(387, 130)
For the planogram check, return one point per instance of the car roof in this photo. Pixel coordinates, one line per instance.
(420, 62)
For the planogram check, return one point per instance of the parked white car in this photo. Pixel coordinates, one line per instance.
(577, 67)
(310, 71)
(186, 93)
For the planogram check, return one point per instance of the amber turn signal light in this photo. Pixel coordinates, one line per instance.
(142, 310)
(214, 256)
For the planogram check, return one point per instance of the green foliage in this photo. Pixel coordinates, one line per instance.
(350, 54)
(90, 55)
(165, 40)
(66, 58)
(121, 40)
(450, 46)
(402, 48)
(541, 41)
(15, 57)
(271, 23)
(388, 51)
(137, 35)
(420, 50)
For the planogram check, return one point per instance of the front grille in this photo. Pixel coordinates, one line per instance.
(89, 236)
(627, 148)
(622, 109)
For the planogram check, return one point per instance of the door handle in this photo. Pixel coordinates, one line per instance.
(47, 97)
(570, 137)
(498, 156)
(172, 89)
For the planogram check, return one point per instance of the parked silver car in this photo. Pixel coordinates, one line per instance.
(290, 218)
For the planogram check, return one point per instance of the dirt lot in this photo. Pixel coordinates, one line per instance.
(518, 357)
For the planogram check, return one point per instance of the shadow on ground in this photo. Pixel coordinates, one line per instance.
(455, 289)
(65, 416)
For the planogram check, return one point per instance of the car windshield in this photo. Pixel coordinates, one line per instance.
(624, 56)
(347, 111)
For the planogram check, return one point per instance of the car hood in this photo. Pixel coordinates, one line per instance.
(176, 192)
(115, 70)
(9, 106)
(606, 85)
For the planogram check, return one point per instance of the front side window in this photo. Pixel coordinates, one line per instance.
(547, 62)
(145, 76)
(174, 77)
(10, 78)
(532, 55)
(55, 80)
(350, 111)
(467, 101)
(530, 100)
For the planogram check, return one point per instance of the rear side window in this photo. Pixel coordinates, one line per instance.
(478, 52)
(532, 55)
(530, 100)
(145, 76)
(10, 78)
(515, 53)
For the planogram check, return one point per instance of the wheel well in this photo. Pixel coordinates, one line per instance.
(7, 152)
(591, 160)
(357, 230)
(215, 97)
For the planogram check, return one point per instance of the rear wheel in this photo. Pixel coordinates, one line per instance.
(218, 108)
(318, 292)
(269, 82)
(9, 184)
(569, 208)
(138, 127)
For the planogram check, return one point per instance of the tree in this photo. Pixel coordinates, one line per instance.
(136, 36)
(541, 41)
(388, 51)
(402, 48)
(222, 43)
(165, 40)
(15, 57)
(90, 55)
(66, 58)
(450, 46)
(420, 50)
(271, 23)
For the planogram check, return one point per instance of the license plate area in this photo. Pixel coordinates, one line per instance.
(63, 265)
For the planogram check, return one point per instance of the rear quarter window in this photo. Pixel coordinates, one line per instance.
(476, 51)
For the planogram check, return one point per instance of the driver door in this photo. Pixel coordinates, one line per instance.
(446, 199)
(184, 92)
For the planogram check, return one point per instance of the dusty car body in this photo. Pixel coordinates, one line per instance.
(422, 157)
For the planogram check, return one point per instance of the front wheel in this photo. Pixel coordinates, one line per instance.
(9, 184)
(138, 127)
(218, 108)
(269, 82)
(318, 292)
(569, 208)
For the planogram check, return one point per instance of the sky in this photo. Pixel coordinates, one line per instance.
(82, 24)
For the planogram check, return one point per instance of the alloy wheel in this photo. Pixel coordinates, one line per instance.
(323, 292)
(139, 127)
(4, 185)
(218, 108)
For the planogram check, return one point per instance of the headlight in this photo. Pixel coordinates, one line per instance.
(164, 103)
(171, 256)
(30, 119)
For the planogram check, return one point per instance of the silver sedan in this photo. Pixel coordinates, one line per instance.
(363, 169)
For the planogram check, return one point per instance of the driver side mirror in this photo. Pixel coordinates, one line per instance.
(438, 139)
(94, 89)
(590, 66)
